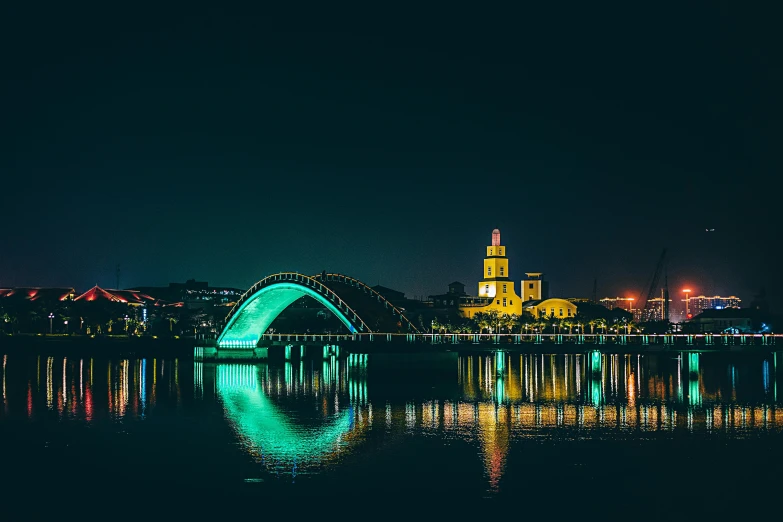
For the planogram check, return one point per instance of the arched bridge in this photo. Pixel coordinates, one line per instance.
(360, 308)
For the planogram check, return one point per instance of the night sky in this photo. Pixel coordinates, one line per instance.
(386, 144)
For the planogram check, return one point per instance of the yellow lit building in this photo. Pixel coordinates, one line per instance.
(559, 308)
(496, 289)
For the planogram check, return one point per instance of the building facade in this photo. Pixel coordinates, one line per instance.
(655, 311)
(697, 304)
(624, 303)
(534, 287)
(726, 320)
(552, 307)
(496, 289)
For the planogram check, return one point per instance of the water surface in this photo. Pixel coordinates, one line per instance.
(668, 433)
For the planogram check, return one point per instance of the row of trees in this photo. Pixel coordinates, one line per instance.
(495, 322)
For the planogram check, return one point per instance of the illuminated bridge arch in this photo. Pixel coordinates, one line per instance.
(360, 308)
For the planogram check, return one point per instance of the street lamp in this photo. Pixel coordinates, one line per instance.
(686, 291)
(126, 323)
(66, 326)
(51, 316)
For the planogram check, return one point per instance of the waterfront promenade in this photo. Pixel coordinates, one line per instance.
(334, 344)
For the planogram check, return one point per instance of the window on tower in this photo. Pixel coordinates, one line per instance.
(502, 269)
(486, 289)
(530, 285)
(500, 251)
(504, 289)
(489, 271)
(504, 301)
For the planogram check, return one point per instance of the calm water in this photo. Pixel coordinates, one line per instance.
(670, 434)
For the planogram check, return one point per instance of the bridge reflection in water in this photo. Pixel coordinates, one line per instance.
(314, 415)
(300, 415)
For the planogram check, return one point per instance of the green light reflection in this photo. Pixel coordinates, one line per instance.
(265, 430)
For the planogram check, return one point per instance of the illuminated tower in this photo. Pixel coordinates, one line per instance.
(496, 283)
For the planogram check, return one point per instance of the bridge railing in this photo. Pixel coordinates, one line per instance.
(367, 289)
(702, 340)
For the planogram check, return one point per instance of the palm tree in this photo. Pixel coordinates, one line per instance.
(541, 322)
(580, 321)
(504, 323)
(568, 323)
(601, 323)
(436, 326)
(493, 317)
(482, 320)
(515, 323)
(556, 324)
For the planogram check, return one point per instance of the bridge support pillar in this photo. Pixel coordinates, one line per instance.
(302, 350)
(288, 349)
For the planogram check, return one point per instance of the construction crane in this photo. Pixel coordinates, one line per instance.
(653, 289)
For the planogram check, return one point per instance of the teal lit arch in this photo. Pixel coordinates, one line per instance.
(261, 305)
(251, 316)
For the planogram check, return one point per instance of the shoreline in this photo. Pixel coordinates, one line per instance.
(88, 345)
(184, 347)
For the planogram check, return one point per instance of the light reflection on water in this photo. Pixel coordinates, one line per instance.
(306, 417)
(67, 386)
(499, 398)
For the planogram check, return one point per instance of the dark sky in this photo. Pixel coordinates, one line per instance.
(387, 143)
